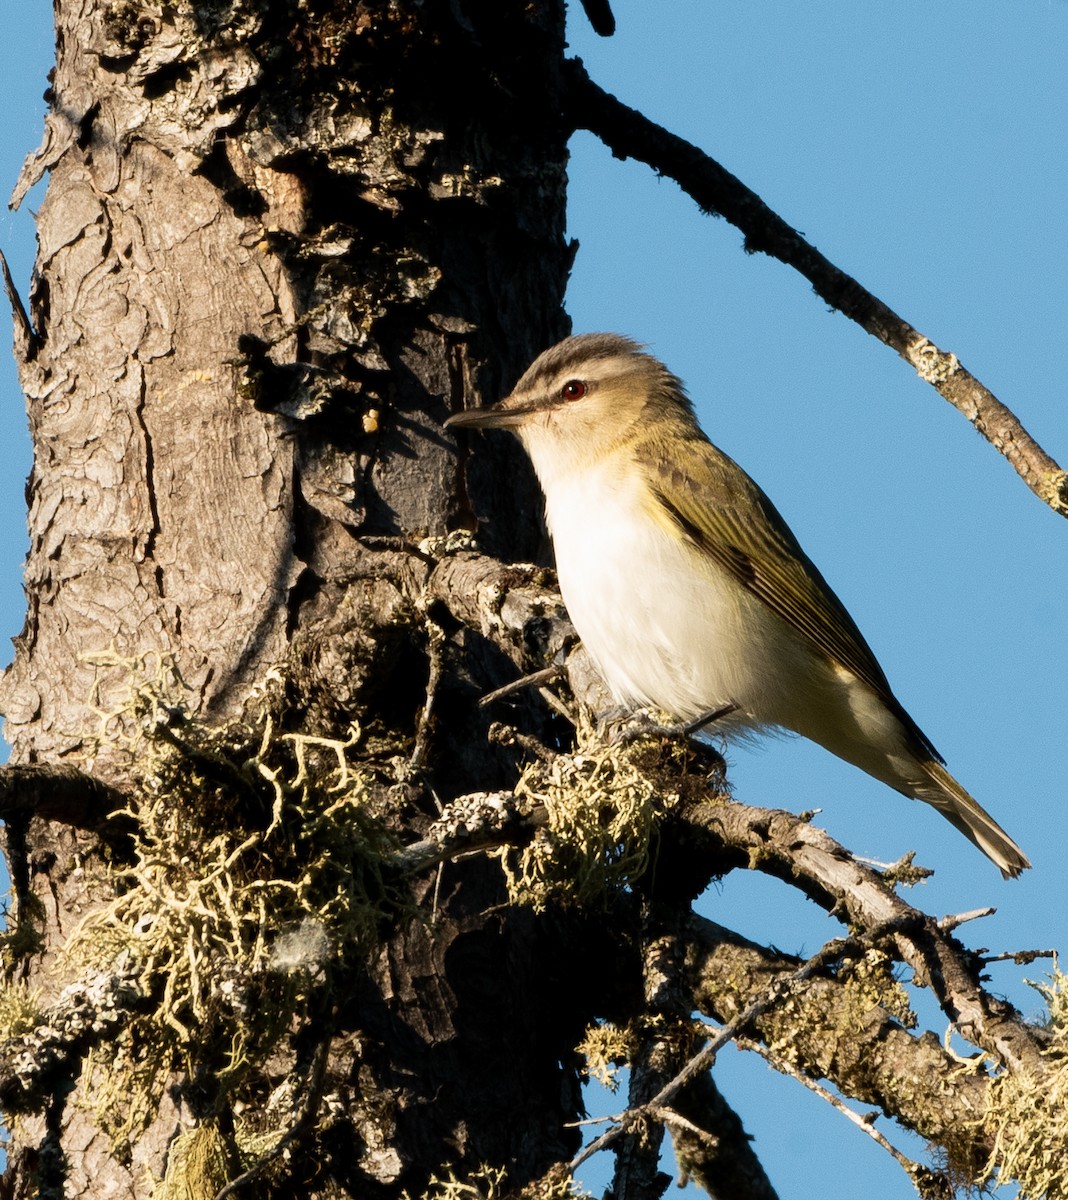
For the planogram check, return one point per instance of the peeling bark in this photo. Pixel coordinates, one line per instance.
(279, 245)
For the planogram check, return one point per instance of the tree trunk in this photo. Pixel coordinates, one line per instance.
(280, 243)
(259, 943)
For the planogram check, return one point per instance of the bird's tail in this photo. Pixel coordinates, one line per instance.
(954, 803)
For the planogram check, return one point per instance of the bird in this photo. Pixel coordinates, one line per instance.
(689, 590)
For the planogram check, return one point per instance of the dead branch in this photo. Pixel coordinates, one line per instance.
(930, 1184)
(782, 844)
(63, 794)
(629, 134)
(864, 1051)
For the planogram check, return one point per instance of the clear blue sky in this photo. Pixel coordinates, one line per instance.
(924, 148)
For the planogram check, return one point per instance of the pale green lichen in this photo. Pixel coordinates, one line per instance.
(20, 1009)
(200, 1162)
(491, 1183)
(602, 814)
(869, 981)
(1029, 1116)
(256, 869)
(606, 1048)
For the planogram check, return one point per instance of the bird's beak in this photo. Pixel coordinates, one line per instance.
(505, 414)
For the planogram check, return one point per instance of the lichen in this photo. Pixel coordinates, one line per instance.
(200, 1162)
(491, 1183)
(870, 981)
(602, 814)
(256, 875)
(20, 1009)
(1029, 1117)
(606, 1048)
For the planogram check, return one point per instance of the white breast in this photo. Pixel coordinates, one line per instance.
(665, 626)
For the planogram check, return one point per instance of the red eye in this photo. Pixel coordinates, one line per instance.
(574, 389)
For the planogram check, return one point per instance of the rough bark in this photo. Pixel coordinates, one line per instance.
(279, 245)
(253, 790)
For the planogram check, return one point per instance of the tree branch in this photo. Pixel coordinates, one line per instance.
(932, 1185)
(663, 1046)
(629, 134)
(784, 845)
(775, 991)
(88, 1012)
(720, 1158)
(831, 1033)
(63, 794)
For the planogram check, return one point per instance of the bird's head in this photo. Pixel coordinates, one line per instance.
(582, 398)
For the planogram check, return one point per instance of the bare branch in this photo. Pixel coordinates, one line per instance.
(61, 793)
(629, 134)
(783, 845)
(929, 1184)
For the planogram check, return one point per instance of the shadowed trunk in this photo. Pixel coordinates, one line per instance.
(280, 244)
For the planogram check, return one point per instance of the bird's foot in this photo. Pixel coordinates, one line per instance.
(621, 726)
(710, 718)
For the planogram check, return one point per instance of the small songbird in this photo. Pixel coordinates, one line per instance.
(686, 585)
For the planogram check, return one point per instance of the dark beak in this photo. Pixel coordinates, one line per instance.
(505, 414)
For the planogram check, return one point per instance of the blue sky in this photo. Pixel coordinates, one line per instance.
(923, 147)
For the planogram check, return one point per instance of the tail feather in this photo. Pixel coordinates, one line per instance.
(954, 803)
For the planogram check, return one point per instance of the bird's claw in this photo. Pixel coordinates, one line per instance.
(621, 726)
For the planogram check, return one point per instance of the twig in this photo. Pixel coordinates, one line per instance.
(308, 1110)
(501, 734)
(1020, 957)
(435, 648)
(706, 1056)
(948, 924)
(675, 1120)
(629, 134)
(546, 675)
(913, 1169)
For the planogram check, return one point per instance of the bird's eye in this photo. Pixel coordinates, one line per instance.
(574, 389)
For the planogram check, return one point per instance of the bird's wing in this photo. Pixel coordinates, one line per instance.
(727, 515)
